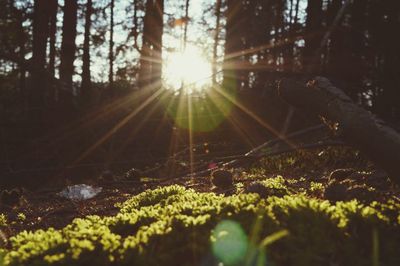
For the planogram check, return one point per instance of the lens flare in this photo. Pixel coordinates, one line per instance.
(229, 242)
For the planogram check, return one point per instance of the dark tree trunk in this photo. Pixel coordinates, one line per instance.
(40, 33)
(337, 40)
(68, 49)
(21, 36)
(186, 23)
(157, 43)
(313, 35)
(53, 7)
(216, 39)
(86, 86)
(233, 45)
(135, 30)
(111, 47)
(150, 60)
(390, 75)
(145, 65)
(296, 13)
(280, 43)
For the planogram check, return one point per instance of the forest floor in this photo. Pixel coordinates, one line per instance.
(326, 173)
(344, 178)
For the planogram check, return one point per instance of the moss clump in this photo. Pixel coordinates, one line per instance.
(3, 220)
(177, 226)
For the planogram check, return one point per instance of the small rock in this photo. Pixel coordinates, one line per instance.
(222, 178)
(335, 192)
(10, 197)
(257, 187)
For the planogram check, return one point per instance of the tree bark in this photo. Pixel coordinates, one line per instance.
(158, 30)
(111, 47)
(86, 86)
(233, 45)
(151, 52)
(68, 49)
(216, 39)
(53, 6)
(354, 124)
(313, 32)
(40, 33)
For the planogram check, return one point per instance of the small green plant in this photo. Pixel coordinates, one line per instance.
(21, 217)
(3, 220)
(316, 187)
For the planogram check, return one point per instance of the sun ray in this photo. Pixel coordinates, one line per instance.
(254, 117)
(190, 114)
(179, 113)
(118, 126)
(232, 120)
(138, 127)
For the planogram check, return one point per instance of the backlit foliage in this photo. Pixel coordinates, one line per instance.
(174, 226)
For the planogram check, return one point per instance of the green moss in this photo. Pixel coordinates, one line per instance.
(178, 226)
(276, 186)
(3, 220)
(316, 187)
(21, 217)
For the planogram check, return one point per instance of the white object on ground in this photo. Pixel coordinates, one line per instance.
(80, 192)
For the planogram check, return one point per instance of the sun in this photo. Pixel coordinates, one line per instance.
(188, 70)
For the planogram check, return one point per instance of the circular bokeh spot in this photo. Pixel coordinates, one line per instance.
(199, 114)
(229, 243)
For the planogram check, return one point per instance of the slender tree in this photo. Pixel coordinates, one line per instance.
(151, 52)
(111, 46)
(53, 7)
(186, 24)
(68, 49)
(216, 39)
(40, 34)
(313, 35)
(157, 41)
(86, 86)
(21, 41)
(233, 45)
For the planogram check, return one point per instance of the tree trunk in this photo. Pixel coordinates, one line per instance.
(40, 33)
(313, 35)
(86, 86)
(21, 36)
(111, 47)
(354, 124)
(216, 40)
(151, 52)
(53, 6)
(186, 24)
(68, 49)
(233, 46)
(158, 30)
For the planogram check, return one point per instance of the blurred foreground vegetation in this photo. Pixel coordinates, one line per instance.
(177, 226)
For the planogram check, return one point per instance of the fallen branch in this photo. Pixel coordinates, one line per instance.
(355, 125)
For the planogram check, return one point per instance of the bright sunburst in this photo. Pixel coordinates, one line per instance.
(189, 70)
